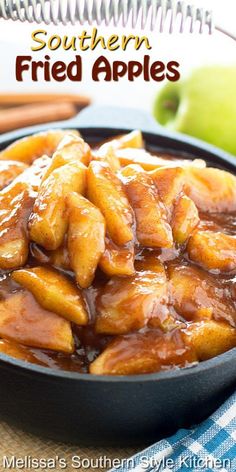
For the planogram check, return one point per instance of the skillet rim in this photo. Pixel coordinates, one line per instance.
(27, 368)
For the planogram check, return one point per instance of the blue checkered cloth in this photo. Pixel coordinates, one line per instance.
(211, 446)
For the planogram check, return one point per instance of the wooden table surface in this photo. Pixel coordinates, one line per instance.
(17, 444)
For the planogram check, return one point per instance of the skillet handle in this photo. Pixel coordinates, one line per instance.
(114, 117)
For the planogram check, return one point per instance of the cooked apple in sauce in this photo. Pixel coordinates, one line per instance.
(114, 260)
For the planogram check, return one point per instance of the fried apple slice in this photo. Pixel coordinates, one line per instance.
(71, 148)
(210, 338)
(27, 149)
(152, 228)
(197, 295)
(212, 190)
(117, 260)
(24, 321)
(16, 204)
(142, 353)
(107, 151)
(34, 174)
(213, 251)
(34, 355)
(138, 156)
(150, 162)
(185, 219)
(9, 170)
(134, 139)
(106, 192)
(54, 292)
(86, 238)
(149, 261)
(48, 223)
(125, 305)
(169, 182)
(107, 154)
(17, 351)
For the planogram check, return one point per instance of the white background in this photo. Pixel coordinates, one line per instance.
(189, 50)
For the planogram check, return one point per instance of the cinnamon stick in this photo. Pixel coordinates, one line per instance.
(19, 117)
(14, 99)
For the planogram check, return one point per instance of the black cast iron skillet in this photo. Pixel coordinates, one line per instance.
(116, 410)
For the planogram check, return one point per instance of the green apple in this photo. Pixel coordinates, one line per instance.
(203, 105)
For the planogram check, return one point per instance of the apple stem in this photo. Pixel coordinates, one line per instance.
(170, 105)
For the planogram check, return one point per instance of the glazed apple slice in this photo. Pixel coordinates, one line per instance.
(107, 154)
(142, 353)
(148, 261)
(134, 139)
(16, 203)
(15, 210)
(197, 295)
(105, 190)
(185, 219)
(28, 149)
(210, 338)
(48, 222)
(86, 238)
(17, 351)
(212, 190)
(169, 182)
(140, 157)
(128, 304)
(34, 174)
(24, 321)
(152, 228)
(29, 354)
(151, 162)
(9, 170)
(54, 292)
(117, 260)
(213, 250)
(71, 148)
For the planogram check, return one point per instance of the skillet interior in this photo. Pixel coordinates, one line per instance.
(184, 147)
